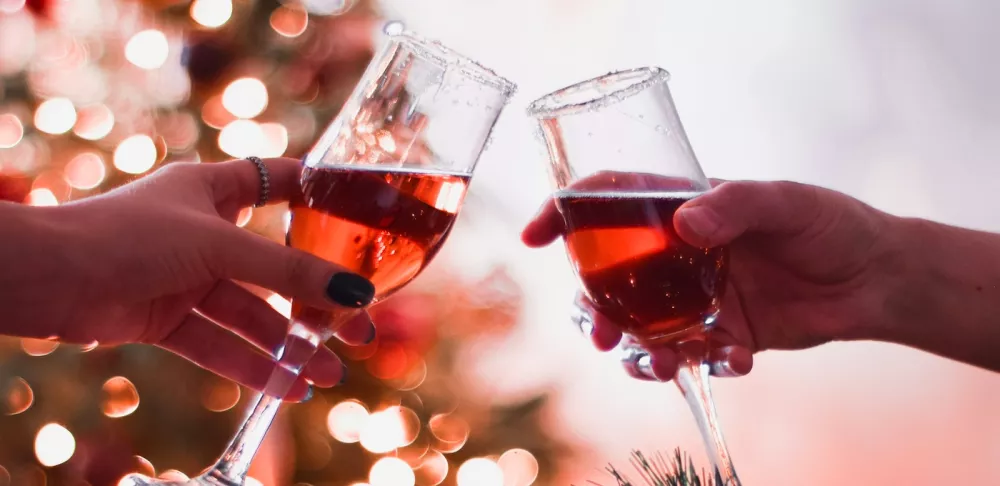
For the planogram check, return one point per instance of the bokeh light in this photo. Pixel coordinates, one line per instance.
(245, 97)
(391, 471)
(450, 430)
(11, 130)
(479, 471)
(4, 474)
(54, 445)
(520, 467)
(433, 469)
(119, 397)
(211, 13)
(85, 171)
(241, 138)
(219, 395)
(39, 347)
(55, 116)
(173, 475)
(94, 122)
(390, 429)
(347, 420)
(244, 217)
(42, 197)
(17, 396)
(289, 20)
(147, 49)
(275, 140)
(135, 155)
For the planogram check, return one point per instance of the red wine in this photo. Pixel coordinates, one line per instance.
(383, 224)
(635, 268)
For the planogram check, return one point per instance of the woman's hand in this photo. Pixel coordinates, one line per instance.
(808, 266)
(160, 261)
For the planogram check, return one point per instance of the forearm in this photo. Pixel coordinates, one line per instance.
(946, 299)
(33, 271)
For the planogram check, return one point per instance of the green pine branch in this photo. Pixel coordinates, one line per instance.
(679, 470)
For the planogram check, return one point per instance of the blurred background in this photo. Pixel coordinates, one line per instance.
(477, 377)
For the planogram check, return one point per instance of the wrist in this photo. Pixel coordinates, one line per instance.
(893, 276)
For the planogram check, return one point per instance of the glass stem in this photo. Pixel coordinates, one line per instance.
(232, 467)
(692, 379)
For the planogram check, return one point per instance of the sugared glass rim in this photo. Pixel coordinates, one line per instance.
(597, 92)
(446, 58)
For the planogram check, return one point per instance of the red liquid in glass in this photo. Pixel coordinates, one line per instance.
(383, 224)
(636, 269)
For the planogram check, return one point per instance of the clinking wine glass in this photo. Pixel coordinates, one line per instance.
(622, 166)
(381, 189)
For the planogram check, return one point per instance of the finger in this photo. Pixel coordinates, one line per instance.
(240, 311)
(733, 208)
(240, 255)
(730, 361)
(203, 343)
(237, 183)
(545, 227)
(636, 362)
(358, 331)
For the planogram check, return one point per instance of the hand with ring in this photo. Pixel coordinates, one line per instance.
(160, 261)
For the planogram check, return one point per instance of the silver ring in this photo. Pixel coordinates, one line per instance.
(265, 181)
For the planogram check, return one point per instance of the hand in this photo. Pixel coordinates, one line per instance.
(804, 270)
(159, 261)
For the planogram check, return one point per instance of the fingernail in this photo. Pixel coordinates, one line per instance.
(722, 369)
(645, 366)
(343, 374)
(309, 393)
(350, 290)
(702, 221)
(371, 334)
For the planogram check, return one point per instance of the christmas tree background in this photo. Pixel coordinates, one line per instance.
(96, 93)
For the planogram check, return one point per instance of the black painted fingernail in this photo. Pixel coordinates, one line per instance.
(350, 290)
(309, 393)
(343, 374)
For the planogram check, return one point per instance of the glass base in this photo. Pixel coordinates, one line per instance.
(141, 480)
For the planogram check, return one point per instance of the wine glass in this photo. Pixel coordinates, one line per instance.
(622, 166)
(381, 189)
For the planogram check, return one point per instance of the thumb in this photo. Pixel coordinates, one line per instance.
(248, 257)
(725, 213)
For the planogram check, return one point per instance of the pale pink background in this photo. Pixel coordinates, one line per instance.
(892, 101)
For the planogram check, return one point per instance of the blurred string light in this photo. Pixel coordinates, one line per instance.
(147, 49)
(289, 20)
(211, 13)
(17, 396)
(11, 130)
(327, 7)
(242, 138)
(347, 420)
(245, 97)
(55, 116)
(85, 171)
(392, 471)
(39, 347)
(520, 467)
(42, 197)
(135, 154)
(94, 122)
(54, 445)
(119, 397)
(479, 471)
